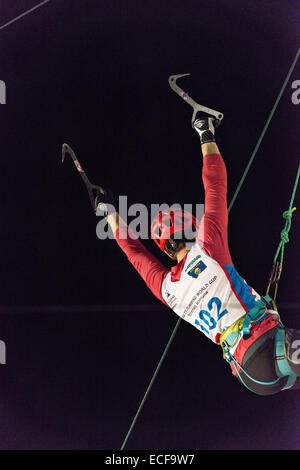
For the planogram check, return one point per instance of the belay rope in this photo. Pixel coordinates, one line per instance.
(175, 329)
(284, 235)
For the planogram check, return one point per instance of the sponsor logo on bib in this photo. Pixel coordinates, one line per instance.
(197, 269)
(192, 262)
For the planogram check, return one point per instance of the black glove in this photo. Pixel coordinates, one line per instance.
(104, 201)
(205, 127)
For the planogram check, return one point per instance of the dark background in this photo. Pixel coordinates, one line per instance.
(95, 74)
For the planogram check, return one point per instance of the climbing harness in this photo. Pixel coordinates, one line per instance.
(282, 366)
(196, 107)
(92, 189)
(281, 363)
(256, 314)
(241, 327)
(230, 336)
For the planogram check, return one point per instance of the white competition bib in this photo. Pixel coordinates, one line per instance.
(208, 295)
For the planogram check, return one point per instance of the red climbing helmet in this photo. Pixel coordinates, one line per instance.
(170, 221)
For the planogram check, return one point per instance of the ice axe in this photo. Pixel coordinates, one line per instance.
(196, 107)
(92, 189)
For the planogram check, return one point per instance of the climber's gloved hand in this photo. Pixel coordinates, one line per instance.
(205, 127)
(104, 202)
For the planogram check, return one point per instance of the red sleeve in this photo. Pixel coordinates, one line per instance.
(150, 269)
(212, 234)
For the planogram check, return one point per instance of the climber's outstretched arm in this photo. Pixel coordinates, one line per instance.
(150, 269)
(115, 222)
(210, 148)
(212, 235)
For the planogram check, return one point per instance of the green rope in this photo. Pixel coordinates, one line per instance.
(229, 209)
(287, 215)
(151, 383)
(264, 131)
(284, 238)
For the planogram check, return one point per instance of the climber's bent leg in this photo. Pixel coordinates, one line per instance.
(259, 363)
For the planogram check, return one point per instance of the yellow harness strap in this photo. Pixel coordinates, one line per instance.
(236, 327)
